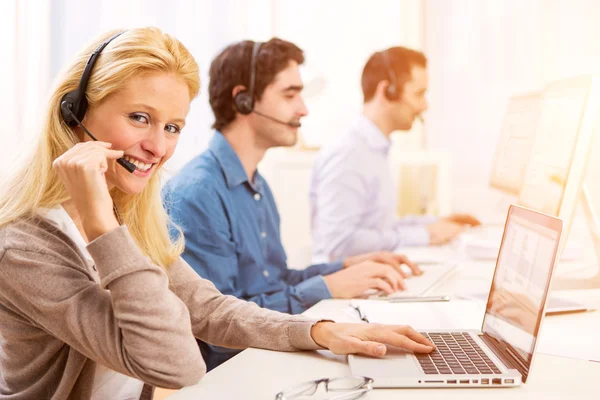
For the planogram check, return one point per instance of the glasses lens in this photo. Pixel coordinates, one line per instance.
(351, 395)
(304, 389)
(346, 383)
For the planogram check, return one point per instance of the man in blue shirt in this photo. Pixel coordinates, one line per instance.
(227, 211)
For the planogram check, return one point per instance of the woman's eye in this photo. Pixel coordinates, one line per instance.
(139, 118)
(172, 129)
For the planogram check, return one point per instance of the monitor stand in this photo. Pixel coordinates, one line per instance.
(594, 226)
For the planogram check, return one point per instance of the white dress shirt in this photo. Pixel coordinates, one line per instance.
(353, 198)
(108, 384)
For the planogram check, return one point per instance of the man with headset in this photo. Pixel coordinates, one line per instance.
(352, 194)
(226, 209)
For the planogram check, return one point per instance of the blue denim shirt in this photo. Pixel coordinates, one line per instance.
(232, 235)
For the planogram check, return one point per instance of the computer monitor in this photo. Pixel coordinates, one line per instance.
(515, 144)
(564, 137)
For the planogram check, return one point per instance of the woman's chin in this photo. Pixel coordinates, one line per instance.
(131, 186)
(132, 183)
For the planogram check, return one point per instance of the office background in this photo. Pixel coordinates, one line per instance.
(480, 52)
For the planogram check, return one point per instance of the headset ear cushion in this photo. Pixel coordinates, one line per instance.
(390, 92)
(67, 105)
(243, 103)
(77, 105)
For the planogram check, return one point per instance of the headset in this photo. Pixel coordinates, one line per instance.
(244, 100)
(391, 91)
(74, 104)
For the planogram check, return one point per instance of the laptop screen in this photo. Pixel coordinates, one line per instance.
(521, 281)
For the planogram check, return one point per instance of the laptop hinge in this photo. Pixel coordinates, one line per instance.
(506, 355)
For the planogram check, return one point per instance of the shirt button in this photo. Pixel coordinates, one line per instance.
(263, 235)
(257, 196)
(266, 273)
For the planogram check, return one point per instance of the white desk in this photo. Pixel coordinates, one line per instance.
(261, 374)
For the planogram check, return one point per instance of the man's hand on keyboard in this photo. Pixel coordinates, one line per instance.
(448, 228)
(443, 231)
(354, 281)
(463, 219)
(386, 257)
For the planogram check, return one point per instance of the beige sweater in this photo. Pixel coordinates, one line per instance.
(59, 315)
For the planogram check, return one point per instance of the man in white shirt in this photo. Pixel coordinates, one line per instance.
(352, 195)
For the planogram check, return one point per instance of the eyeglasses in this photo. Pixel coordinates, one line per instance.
(346, 388)
(361, 313)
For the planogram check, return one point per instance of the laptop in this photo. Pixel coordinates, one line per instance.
(502, 353)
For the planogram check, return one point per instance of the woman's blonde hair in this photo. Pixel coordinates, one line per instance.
(137, 51)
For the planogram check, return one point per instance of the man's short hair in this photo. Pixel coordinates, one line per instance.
(232, 68)
(400, 61)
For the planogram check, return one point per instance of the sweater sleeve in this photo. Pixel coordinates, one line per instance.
(227, 321)
(131, 322)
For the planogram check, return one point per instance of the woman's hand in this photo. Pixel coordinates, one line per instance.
(368, 339)
(81, 169)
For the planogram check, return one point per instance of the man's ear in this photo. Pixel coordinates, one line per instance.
(237, 89)
(380, 90)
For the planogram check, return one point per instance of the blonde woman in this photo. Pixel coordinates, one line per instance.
(95, 300)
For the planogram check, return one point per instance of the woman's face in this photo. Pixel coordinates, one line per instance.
(144, 119)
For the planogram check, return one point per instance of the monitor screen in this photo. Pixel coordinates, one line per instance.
(515, 144)
(521, 282)
(556, 140)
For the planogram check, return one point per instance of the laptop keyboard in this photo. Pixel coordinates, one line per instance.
(456, 353)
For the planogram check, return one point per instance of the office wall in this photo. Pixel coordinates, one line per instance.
(24, 76)
(480, 53)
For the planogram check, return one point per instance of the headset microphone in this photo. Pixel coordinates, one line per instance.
(418, 116)
(293, 124)
(66, 109)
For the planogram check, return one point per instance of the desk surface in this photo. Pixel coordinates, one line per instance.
(261, 374)
(564, 373)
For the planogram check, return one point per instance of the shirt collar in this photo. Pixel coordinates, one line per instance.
(65, 223)
(230, 163)
(376, 139)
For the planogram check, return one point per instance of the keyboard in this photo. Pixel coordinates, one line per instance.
(418, 285)
(456, 354)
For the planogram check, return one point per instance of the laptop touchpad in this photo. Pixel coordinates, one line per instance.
(395, 362)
